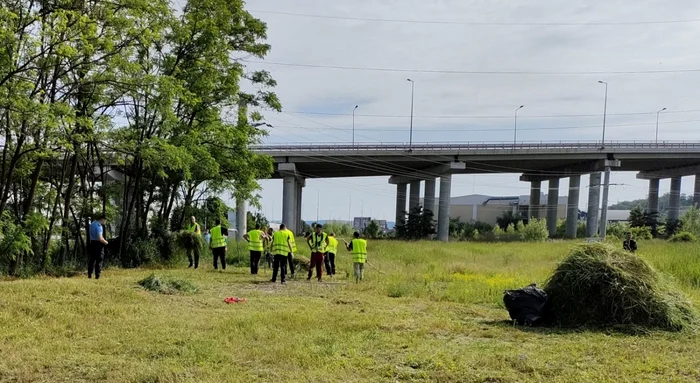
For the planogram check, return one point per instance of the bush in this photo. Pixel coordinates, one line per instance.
(690, 221)
(683, 236)
(618, 230)
(167, 286)
(535, 231)
(602, 286)
(641, 232)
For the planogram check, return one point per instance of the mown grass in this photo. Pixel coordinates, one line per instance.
(433, 313)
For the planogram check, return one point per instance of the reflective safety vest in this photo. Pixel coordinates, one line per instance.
(217, 239)
(255, 242)
(279, 242)
(359, 250)
(294, 243)
(194, 228)
(318, 242)
(332, 245)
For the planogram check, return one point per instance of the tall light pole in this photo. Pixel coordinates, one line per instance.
(318, 203)
(657, 124)
(353, 125)
(605, 109)
(410, 137)
(515, 126)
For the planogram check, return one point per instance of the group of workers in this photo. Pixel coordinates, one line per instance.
(279, 248)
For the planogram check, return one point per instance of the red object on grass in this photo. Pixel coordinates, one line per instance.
(234, 300)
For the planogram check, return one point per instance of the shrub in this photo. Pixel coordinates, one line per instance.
(683, 236)
(690, 221)
(602, 286)
(167, 286)
(508, 218)
(641, 232)
(535, 231)
(618, 230)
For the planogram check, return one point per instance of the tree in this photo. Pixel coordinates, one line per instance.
(508, 218)
(418, 225)
(638, 217)
(372, 231)
(257, 218)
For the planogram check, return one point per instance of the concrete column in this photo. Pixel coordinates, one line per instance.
(400, 203)
(429, 198)
(300, 221)
(444, 208)
(653, 208)
(535, 193)
(696, 194)
(593, 205)
(603, 226)
(675, 199)
(414, 197)
(572, 207)
(289, 200)
(552, 205)
(241, 218)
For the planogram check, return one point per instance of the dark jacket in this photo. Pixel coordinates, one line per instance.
(629, 245)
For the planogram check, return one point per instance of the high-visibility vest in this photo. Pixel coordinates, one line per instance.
(217, 239)
(332, 245)
(255, 240)
(294, 243)
(359, 250)
(194, 228)
(318, 242)
(279, 242)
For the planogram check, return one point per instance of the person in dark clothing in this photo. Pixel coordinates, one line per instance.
(629, 244)
(96, 247)
(281, 248)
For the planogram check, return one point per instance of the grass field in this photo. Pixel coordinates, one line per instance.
(434, 314)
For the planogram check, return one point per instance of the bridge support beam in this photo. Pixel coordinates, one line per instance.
(300, 221)
(675, 199)
(241, 218)
(535, 194)
(696, 193)
(572, 207)
(400, 203)
(653, 208)
(593, 205)
(429, 197)
(444, 208)
(414, 197)
(289, 201)
(552, 206)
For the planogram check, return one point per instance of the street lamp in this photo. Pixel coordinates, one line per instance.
(318, 203)
(410, 138)
(515, 128)
(605, 109)
(353, 125)
(657, 124)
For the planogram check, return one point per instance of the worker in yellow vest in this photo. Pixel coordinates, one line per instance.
(218, 245)
(358, 248)
(269, 258)
(194, 227)
(256, 247)
(318, 242)
(290, 256)
(331, 251)
(281, 248)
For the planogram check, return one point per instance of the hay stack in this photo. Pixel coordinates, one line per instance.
(189, 240)
(601, 286)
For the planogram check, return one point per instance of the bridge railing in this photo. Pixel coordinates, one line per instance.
(439, 146)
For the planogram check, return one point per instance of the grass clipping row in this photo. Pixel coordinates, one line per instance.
(598, 285)
(167, 286)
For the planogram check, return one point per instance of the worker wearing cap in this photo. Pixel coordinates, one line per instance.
(255, 247)
(281, 248)
(318, 242)
(331, 251)
(358, 248)
(193, 227)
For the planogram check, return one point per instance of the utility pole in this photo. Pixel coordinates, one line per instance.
(606, 184)
(410, 137)
(605, 109)
(353, 125)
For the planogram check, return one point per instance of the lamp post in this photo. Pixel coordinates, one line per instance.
(657, 124)
(605, 109)
(410, 137)
(515, 126)
(353, 125)
(318, 203)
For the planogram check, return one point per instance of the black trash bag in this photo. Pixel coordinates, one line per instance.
(525, 305)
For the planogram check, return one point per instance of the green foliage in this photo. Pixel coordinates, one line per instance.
(690, 221)
(257, 218)
(673, 226)
(464, 230)
(535, 230)
(619, 230)
(340, 229)
(508, 218)
(167, 285)
(684, 236)
(638, 217)
(641, 233)
(372, 231)
(664, 203)
(602, 286)
(188, 240)
(418, 225)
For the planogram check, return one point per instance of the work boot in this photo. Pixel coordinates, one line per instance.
(189, 266)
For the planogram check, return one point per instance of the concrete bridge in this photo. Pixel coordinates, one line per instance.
(408, 166)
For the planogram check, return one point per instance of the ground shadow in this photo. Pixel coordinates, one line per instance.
(554, 330)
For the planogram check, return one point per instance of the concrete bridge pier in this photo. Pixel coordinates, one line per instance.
(289, 201)
(696, 193)
(444, 208)
(552, 205)
(400, 203)
(429, 197)
(535, 193)
(572, 206)
(241, 218)
(675, 199)
(414, 197)
(593, 205)
(300, 221)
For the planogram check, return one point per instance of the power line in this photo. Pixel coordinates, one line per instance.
(477, 23)
(465, 72)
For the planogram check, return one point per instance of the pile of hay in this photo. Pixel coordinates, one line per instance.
(189, 240)
(167, 286)
(601, 286)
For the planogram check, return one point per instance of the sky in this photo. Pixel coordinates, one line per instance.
(473, 63)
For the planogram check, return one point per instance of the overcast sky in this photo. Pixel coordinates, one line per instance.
(450, 37)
